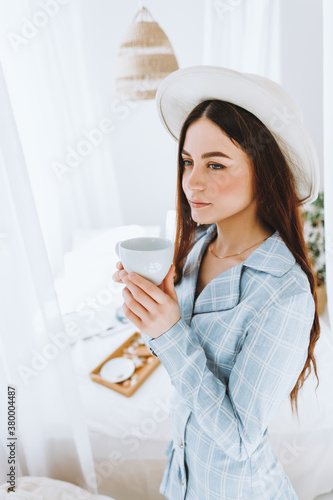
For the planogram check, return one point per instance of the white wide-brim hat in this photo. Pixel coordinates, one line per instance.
(181, 91)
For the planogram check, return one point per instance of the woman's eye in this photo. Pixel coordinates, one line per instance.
(216, 166)
(212, 166)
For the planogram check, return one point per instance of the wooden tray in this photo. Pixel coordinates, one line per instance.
(137, 348)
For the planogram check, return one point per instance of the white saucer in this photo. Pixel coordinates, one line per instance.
(117, 369)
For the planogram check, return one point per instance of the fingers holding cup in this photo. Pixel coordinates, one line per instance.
(116, 276)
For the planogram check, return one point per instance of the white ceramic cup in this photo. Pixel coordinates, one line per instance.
(148, 256)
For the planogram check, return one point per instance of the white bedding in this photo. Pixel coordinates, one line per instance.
(43, 488)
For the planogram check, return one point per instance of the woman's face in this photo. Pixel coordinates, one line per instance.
(216, 173)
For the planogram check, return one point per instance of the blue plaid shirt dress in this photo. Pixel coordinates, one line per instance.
(233, 357)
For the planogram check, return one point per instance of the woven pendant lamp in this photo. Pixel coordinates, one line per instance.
(145, 58)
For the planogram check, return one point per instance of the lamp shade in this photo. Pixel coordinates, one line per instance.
(145, 58)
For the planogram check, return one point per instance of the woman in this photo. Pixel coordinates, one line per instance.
(234, 322)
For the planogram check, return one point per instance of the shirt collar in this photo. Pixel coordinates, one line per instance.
(272, 257)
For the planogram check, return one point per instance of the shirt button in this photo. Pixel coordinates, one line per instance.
(183, 481)
(153, 352)
(180, 443)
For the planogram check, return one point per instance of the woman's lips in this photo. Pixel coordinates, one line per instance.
(195, 204)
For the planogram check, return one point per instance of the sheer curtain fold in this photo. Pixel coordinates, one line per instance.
(50, 105)
(58, 110)
(53, 439)
(243, 36)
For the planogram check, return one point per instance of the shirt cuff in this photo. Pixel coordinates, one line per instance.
(164, 342)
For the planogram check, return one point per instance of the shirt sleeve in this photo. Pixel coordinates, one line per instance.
(264, 373)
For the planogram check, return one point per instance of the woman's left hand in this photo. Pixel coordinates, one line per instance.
(152, 309)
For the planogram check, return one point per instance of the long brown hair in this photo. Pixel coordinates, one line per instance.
(277, 202)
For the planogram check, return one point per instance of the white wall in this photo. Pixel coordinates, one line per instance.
(302, 63)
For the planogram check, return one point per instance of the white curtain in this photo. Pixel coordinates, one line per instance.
(243, 36)
(52, 436)
(64, 117)
(56, 176)
(328, 149)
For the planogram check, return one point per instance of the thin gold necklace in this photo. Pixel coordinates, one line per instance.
(238, 253)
